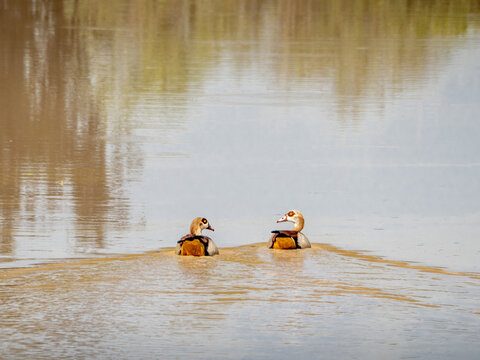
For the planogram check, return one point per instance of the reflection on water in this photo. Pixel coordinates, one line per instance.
(121, 121)
(61, 178)
(247, 302)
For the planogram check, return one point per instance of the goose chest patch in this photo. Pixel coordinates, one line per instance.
(286, 239)
(194, 245)
(284, 243)
(193, 248)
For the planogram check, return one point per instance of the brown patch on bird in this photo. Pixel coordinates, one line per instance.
(284, 243)
(193, 248)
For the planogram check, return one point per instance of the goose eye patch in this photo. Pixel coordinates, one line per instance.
(204, 221)
(291, 213)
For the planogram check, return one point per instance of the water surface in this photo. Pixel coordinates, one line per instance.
(249, 302)
(122, 121)
(118, 129)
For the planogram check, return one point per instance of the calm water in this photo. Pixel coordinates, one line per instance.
(121, 121)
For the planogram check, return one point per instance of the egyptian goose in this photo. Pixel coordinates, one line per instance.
(290, 239)
(195, 243)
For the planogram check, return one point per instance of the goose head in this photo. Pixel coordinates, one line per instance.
(295, 217)
(199, 224)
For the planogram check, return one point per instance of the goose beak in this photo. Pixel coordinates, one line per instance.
(283, 219)
(210, 228)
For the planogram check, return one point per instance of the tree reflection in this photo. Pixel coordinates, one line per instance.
(53, 129)
(71, 69)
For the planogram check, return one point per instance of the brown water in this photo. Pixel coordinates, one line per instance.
(249, 302)
(122, 121)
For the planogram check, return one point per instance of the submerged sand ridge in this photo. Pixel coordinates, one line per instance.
(235, 303)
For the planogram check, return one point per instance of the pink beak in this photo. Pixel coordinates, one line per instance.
(210, 228)
(283, 219)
